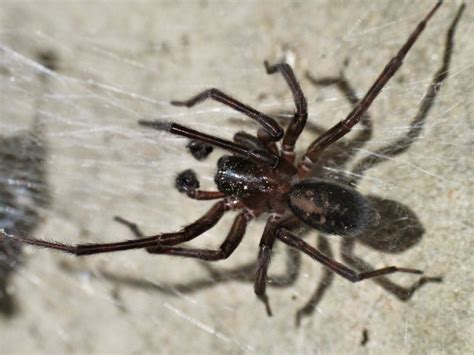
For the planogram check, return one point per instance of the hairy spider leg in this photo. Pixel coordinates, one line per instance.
(350, 95)
(233, 239)
(188, 233)
(250, 141)
(268, 123)
(262, 143)
(346, 88)
(403, 143)
(343, 127)
(238, 149)
(266, 140)
(204, 195)
(288, 238)
(298, 121)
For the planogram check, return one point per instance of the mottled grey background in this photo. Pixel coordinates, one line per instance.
(117, 62)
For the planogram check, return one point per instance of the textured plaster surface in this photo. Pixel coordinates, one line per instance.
(123, 61)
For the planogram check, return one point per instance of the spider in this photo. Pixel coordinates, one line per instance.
(261, 178)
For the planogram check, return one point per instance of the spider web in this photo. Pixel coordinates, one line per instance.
(76, 78)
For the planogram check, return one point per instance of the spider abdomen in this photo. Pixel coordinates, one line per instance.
(331, 207)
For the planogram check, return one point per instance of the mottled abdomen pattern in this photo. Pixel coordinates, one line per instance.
(331, 207)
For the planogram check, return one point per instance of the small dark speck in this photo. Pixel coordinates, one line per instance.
(401, 79)
(115, 294)
(4, 71)
(262, 96)
(185, 40)
(165, 47)
(365, 337)
(48, 58)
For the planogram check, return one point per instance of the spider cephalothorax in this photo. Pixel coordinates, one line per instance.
(261, 187)
(262, 178)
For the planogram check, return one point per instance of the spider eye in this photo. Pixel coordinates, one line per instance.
(330, 207)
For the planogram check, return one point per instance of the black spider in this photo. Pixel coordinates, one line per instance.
(261, 178)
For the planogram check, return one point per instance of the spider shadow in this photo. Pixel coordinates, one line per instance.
(23, 191)
(215, 277)
(397, 231)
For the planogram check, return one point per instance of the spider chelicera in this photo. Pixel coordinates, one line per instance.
(261, 178)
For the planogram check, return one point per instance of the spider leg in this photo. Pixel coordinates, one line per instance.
(263, 260)
(267, 141)
(183, 131)
(403, 143)
(248, 140)
(298, 122)
(233, 239)
(343, 152)
(268, 123)
(401, 292)
(204, 195)
(349, 93)
(246, 272)
(262, 143)
(286, 237)
(343, 127)
(189, 232)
